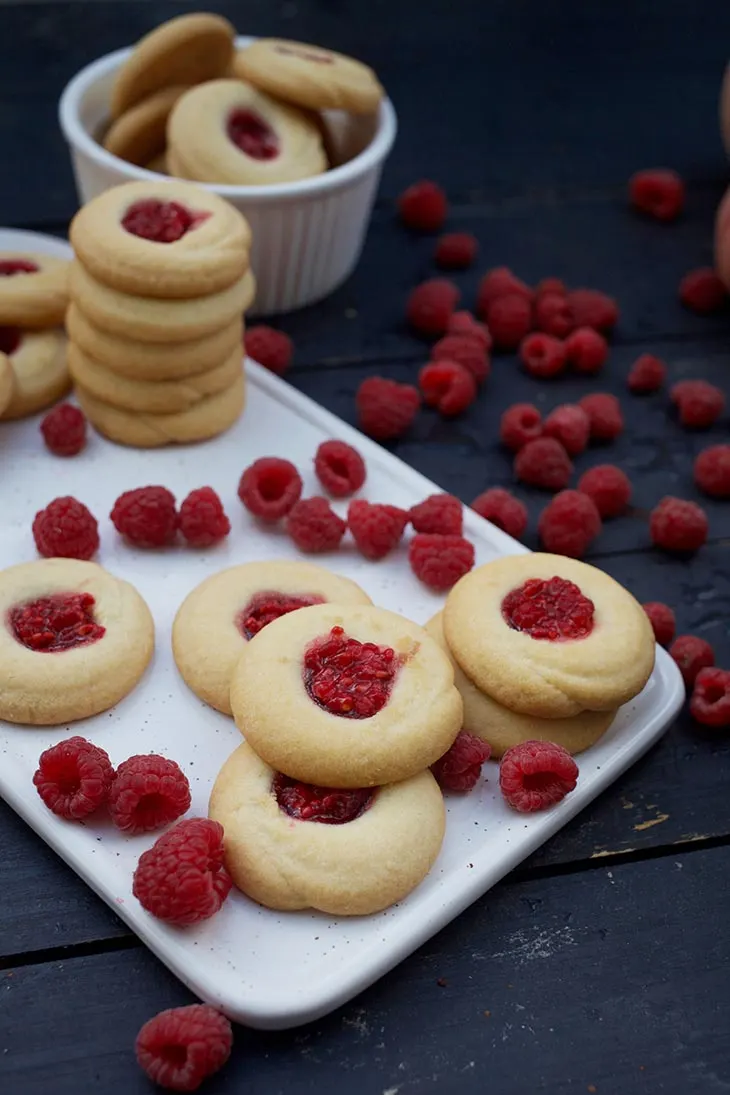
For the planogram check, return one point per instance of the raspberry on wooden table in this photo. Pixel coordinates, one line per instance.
(678, 525)
(657, 192)
(422, 206)
(456, 250)
(701, 291)
(459, 769)
(503, 510)
(551, 285)
(385, 408)
(147, 793)
(710, 702)
(314, 526)
(73, 778)
(447, 386)
(464, 350)
(554, 315)
(592, 308)
(439, 561)
(441, 513)
(586, 350)
(698, 403)
(570, 425)
(202, 520)
(146, 517)
(691, 653)
(647, 374)
(464, 323)
(608, 486)
(376, 528)
(520, 423)
(544, 463)
(339, 468)
(270, 487)
(181, 879)
(509, 319)
(712, 471)
(604, 412)
(569, 524)
(662, 621)
(536, 774)
(181, 1047)
(64, 430)
(66, 529)
(500, 282)
(271, 348)
(431, 305)
(543, 355)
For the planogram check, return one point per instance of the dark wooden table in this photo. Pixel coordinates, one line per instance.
(601, 965)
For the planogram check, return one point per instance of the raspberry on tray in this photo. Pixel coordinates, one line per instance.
(536, 774)
(146, 517)
(503, 510)
(441, 513)
(314, 526)
(376, 529)
(66, 529)
(181, 879)
(270, 487)
(147, 793)
(460, 768)
(203, 520)
(64, 430)
(439, 561)
(73, 778)
(339, 468)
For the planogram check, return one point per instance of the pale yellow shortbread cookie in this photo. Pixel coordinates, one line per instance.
(139, 135)
(33, 289)
(40, 373)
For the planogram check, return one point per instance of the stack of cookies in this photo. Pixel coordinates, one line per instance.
(158, 290)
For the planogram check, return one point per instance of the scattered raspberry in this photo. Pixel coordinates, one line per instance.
(543, 356)
(554, 315)
(543, 463)
(592, 308)
(710, 703)
(536, 774)
(439, 561)
(447, 386)
(456, 251)
(463, 323)
(678, 525)
(464, 350)
(712, 471)
(699, 403)
(647, 374)
(385, 408)
(431, 305)
(500, 282)
(148, 793)
(314, 526)
(64, 430)
(569, 524)
(460, 768)
(376, 529)
(181, 1047)
(146, 517)
(181, 879)
(520, 423)
(702, 291)
(551, 285)
(272, 349)
(662, 621)
(423, 206)
(691, 655)
(73, 778)
(570, 425)
(509, 319)
(339, 468)
(270, 487)
(604, 412)
(441, 513)
(503, 510)
(608, 486)
(66, 529)
(586, 350)
(657, 192)
(203, 520)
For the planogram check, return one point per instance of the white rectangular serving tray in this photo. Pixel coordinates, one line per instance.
(266, 969)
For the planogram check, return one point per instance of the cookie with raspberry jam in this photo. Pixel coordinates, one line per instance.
(40, 372)
(33, 289)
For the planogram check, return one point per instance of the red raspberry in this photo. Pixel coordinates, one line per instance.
(181, 879)
(375, 528)
(64, 430)
(543, 356)
(520, 423)
(181, 1047)
(466, 351)
(551, 285)
(148, 793)
(314, 526)
(657, 192)
(66, 529)
(272, 349)
(699, 404)
(662, 620)
(569, 524)
(608, 486)
(270, 487)
(712, 471)
(509, 319)
(73, 778)
(553, 314)
(543, 463)
(678, 525)
(571, 426)
(463, 323)
(447, 386)
(203, 520)
(586, 350)
(146, 517)
(439, 561)
(710, 703)
(423, 206)
(702, 291)
(456, 251)
(431, 305)
(503, 510)
(441, 513)
(604, 412)
(647, 374)
(536, 774)
(691, 655)
(386, 409)
(592, 308)
(339, 468)
(460, 768)
(500, 282)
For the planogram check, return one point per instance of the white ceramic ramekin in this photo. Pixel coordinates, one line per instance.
(307, 236)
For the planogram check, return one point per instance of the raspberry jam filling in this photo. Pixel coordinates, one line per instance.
(265, 607)
(347, 677)
(160, 222)
(10, 339)
(305, 55)
(60, 622)
(252, 135)
(551, 608)
(10, 267)
(327, 805)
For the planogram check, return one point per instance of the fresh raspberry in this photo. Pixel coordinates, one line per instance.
(203, 520)
(460, 768)
(647, 374)
(543, 463)
(73, 778)
(447, 386)
(463, 323)
(423, 206)
(536, 774)
(509, 319)
(608, 486)
(456, 251)
(592, 308)
(271, 348)
(181, 879)
(569, 524)
(520, 423)
(554, 315)
(678, 525)
(270, 487)
(702, 291)
(586, 350)
(148, 793)
(699, 403)
(431, 305)
(542, 355)
(712, 471)
(500, 282)
(66, 529)
(604, 412)
(657, 192)
(551, 285)
(439, 561)
(466, 351)
(64, 430)
(503, 510)
(385, 408)
(691, 655)
(710, 702)
(314, 526)
(146, 517)
(181, 1047)
(441, 513)
(339, 468)
(570, 425)
(375, 528)
(662, 620)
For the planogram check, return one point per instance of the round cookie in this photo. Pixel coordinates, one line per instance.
(309, 76)
(33, 289)
(7, 382)
(161, 239)
(601, 653)
(139, 135)
(341, 867)
(217, 618)
(40, 373)
(227, 131)
(159, 164)
(72, 676)
(392, 688)
(185, 50)
(503, 728)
